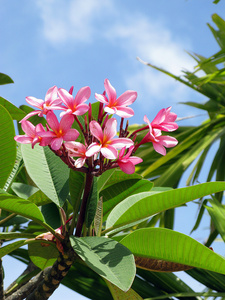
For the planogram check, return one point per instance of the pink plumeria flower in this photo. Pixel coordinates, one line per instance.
(165, 120)
(158, 140)
(32, 134)
(76, 149)
(51, 102)
(107, 145)
(75, 105)
(127, 162)
(114, 105)
(61, 131)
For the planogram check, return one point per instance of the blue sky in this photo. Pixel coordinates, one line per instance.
(75, 42)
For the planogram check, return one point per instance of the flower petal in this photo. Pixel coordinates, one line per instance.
(126, 167)
(111, 92)
(80, 162)
(168, 141)
(110, 110)
(82, 95)
(56, 143)
(93, 149)
(159, 148)
(66, 98)
(110, 129)
(119, 143)
(51, 95)
(28, 128)
(102, 98)
(33, 113)
(127, 98)
(66, 123)
(35, 102)
(71, 135)
(109, 152)
(52, 121)
(23, 139)
(96, 130)
(81, 109)
(124, 112)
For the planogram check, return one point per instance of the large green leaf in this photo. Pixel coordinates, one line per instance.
(7, 145)
(23, 190)
(21, 207)
(5, 79)
(115, 193)
(42, 256)
(48, 172)
(169, 245)
(108, 258)
(15, 112)
(146, 204)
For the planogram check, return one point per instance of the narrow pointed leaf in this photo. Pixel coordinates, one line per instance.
(11, 247)
(146, 204)
(108, 258)
(217, 213)
(48, 172)
(165, 244)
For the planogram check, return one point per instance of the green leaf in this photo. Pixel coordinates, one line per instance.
(146, 204)
(115, 193)
(23, 190)
(51, 214)
(7, 145)
(168, 245)
(217, 213)
(15, 112)
(43, 256)
(39, 198)
(120, 295)
(5, 79)
(48, 172)
(11, 247)
(108, 258)
(16, 169)
(15, 235)
(92, 204)
(21, 207)
(76, 186)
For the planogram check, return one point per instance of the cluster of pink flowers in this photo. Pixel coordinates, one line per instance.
(102, 149)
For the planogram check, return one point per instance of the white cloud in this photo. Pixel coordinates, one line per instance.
(133, 35)
(64, 21)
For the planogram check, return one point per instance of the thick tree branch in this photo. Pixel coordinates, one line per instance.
(13, 287)
(29, 287)
(1, 282)
(55, 275)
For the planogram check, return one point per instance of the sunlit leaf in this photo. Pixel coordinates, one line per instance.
(48, 172)
(108, 258)
(146, 204)
(169, 245)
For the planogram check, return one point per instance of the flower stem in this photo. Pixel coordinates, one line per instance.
(87, 190)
